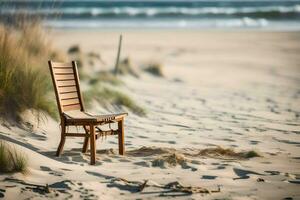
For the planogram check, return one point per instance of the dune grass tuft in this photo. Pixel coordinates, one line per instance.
(94, 55)
(172, 160)
(24, 78)
(74, 49)
(125, 67)
(108, 96)
(251, 154)
(12, 160)
(228, 153)
(154, 69)
(105, 77)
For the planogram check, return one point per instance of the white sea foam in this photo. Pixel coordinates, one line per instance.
(153, 11)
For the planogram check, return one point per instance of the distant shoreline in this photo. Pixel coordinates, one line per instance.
(99, 29)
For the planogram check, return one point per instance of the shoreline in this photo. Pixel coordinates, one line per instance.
(80, 29)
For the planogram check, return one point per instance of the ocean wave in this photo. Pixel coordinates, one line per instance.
(120, 12)
(180, 24)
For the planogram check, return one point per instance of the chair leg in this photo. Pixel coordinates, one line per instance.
(62, 140)
(121, 137)
(93, 144)
(86, 142)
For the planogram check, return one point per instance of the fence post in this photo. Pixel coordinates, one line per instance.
(118, 56)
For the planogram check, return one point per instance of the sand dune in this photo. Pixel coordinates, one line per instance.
(235, 90)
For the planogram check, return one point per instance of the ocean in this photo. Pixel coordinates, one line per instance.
(161, 14)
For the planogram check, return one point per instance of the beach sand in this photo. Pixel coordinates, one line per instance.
(229, 89)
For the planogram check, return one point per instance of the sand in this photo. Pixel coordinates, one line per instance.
(226, 89)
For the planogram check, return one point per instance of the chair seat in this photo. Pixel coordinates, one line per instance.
(76, 117)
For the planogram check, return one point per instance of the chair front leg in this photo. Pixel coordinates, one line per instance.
(86, 141)
(62, 140)
(93, 144)
(121, 137)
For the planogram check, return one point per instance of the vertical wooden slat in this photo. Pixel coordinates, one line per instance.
(78, 84)
(55, 88)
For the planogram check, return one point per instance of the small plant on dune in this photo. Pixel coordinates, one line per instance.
(105, 77)
(94, 55)
(108, 96)
(172, 160)
(251, 154)
(24, 79)
(154, 69)
(125, 67)
(12, 160)
(74, 49)
(227, 152)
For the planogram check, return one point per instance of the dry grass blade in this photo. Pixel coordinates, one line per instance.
(138, 186)
(24, 81)
(170, 159)
(11, 159)
(126, 67)
(178, 187)
(108, 96)
(226, 153)
(154, 69)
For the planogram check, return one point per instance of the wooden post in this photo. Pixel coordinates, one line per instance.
(118, 56)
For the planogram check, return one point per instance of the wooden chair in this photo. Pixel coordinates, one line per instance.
(72, 113)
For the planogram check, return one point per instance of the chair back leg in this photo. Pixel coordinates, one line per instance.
(93, 144)
(86, 141)
(121, 137)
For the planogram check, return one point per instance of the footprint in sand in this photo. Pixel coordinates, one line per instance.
(62, 185)
(52, 172)
(124, 160)
(297, 181)
(143, 164)
(2, 192)
(66, 169)
(99, 175)
(68, 186)
(162, 141)
(289, 142)
(143, 137)
(254, 142)
(228, 140)
(243, 174)
(273, 172)
(221, 167)
(209, 177)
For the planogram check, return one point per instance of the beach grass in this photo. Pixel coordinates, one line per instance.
(109, 96)
(154, 69)
(172, 159)
(228, 152)
(105, 77)
(75, 49)
(11, 159)
(251, 154)
(24, 81)
(126, 68)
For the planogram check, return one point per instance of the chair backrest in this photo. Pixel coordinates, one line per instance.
(66, 85)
